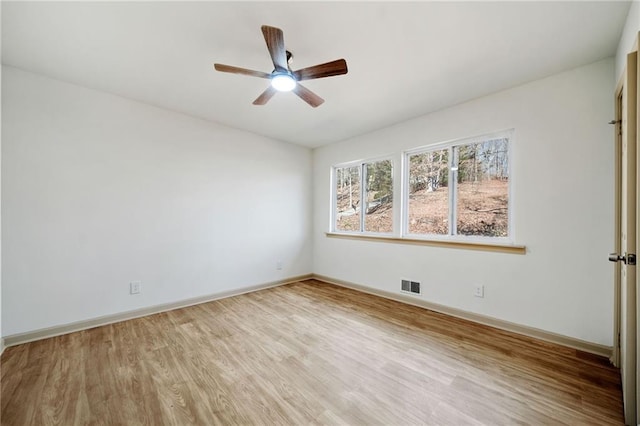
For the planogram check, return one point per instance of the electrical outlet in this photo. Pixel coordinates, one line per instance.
(135, 287)
(478, 290)
(279, 265)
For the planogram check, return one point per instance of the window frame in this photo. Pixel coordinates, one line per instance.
(333, 225)
(452, 235)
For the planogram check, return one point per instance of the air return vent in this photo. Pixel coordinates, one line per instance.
(410, 286)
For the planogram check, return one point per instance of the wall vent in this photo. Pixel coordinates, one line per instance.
(410, 286)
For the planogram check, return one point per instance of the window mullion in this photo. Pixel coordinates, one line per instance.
(334, 199)
(363, 193)
(404, 194)
(453, 183)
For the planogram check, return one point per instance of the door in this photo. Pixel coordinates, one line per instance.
(626, 204)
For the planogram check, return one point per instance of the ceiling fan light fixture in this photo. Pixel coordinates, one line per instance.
(283, 82)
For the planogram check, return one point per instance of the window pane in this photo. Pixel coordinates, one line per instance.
(348, 198)
(483, 189)
(429, 193)
(379, 196)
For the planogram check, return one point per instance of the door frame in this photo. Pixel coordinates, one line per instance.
(615, 354)
(626, 124)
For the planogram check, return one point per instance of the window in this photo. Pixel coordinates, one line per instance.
(377, 193)
(452, 192)
(459, 188)
(429, 192)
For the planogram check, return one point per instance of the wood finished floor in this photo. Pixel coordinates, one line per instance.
(304, 353)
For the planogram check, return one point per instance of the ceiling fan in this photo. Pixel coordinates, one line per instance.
(283, 79)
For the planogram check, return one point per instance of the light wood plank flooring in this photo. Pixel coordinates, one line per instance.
(304, 353)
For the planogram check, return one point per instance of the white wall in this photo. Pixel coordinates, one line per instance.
(628, 38)
(98, 191)
(563, 206)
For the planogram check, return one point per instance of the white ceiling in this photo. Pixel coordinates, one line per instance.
(404, 59)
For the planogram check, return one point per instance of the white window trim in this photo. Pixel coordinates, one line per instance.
(334, 196)
(453, 236)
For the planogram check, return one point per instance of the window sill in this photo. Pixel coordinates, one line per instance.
(463, 245)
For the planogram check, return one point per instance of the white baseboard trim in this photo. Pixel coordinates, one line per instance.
(45, 333)
(582, 345)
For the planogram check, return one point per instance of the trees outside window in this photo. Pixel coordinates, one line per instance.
(375, 214)
(347, 198)
(455, 189)
(429, 192)
(461, 188)
(482, 202)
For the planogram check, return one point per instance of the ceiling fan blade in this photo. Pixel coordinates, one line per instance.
(275, 43)
(265, 96)
(237, 70)
(308, 96)
(329, 69)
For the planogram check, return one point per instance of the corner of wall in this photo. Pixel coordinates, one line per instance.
(627, 38)
(196, 214)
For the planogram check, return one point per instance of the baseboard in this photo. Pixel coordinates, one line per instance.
(45, 333)
(537, 333)
(594, 348)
